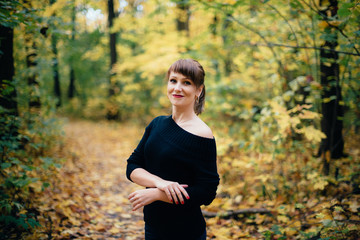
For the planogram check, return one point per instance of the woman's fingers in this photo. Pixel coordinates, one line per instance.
(175, 195)
(179, 195)
(174, 191)
(184, 192)
(131, 196)
(136, 205)
(142, 198)
(168, 194)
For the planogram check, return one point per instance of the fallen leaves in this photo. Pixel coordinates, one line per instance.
(88, 200)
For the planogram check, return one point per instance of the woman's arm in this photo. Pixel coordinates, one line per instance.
(172, 190)
(144, 197)
(203, 190)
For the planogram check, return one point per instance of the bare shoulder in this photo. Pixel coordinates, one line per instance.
(201, 129)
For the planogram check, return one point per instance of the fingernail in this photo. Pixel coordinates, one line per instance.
(170, 200)
(187, 197)
(182, 202)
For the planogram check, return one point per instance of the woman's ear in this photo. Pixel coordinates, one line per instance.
(199, 90)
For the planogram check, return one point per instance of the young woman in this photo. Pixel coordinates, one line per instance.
(176, 161)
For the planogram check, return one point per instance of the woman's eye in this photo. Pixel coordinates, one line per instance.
(172, 81)
(187, 83)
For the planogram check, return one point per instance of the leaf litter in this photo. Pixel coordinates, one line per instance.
(88, 198)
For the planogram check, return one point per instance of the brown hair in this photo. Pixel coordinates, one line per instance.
(192, 69)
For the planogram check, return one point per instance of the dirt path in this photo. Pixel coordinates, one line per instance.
(89, 200)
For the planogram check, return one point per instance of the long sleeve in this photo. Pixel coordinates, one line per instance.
(137, 158)
(203, 191)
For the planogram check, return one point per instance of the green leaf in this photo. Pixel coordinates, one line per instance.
(45, 184)
(5, 165)
(33, 223)
(299, 206)
(18, 206)
(27, 168)
(7, 207)
(344, 12)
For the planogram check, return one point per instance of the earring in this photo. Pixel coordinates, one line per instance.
(196, 99)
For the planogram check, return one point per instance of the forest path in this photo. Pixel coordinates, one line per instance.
(89, 200)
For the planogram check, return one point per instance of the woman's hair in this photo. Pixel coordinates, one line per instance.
(193, 70)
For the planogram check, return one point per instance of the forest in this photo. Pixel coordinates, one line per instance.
(81, 79)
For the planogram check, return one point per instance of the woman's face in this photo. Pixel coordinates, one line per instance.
(181, 90)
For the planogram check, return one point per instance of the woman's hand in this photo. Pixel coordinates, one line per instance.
(173, 190)
(143, 197)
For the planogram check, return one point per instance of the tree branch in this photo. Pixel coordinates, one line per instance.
(287, 22)
(290, 46)
(327, 20)
(281, 67)
(234, 213)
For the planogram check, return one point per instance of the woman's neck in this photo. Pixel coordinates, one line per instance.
(182, 115)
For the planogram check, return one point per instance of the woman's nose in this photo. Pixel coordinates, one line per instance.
(177, 87)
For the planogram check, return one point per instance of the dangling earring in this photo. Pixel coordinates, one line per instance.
(196, 99)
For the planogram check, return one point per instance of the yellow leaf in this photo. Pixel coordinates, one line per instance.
(320, 185)
(282, 218)
(328, 155)
(323, 24)
(326, 100)
(312, 134)
(354, 206)
(290, 231)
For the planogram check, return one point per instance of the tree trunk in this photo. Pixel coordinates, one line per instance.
(112, 111)
(182, 20)
(214, 32)
(55, 63)
(331, 123)
(227, 43)
(7, 88)
(31, 54)
(71, 89)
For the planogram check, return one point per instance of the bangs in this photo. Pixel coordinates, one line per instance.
(189, 68)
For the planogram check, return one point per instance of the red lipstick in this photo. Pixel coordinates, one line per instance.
(177, 96)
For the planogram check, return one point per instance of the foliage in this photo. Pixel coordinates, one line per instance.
(26, 166)
(263, 102)
(27, 139)
(88, 201)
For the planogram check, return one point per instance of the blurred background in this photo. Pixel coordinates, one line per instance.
(282, 97)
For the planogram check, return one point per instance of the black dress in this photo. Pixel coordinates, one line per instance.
(174, 154)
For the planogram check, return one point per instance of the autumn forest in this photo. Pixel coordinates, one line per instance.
(81, 79)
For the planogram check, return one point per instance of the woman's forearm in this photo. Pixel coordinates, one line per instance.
(143, 197)
(143, 178)
(173, 190)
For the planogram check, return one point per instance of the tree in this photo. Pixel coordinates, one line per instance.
(55, 62)
(71, 89)
(31, 55)
(183, 16)
(331, 124)
(7, 88)
(112, 112)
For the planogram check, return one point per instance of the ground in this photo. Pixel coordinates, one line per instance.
(89, 199)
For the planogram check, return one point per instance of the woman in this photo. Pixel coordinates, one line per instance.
(176, 161)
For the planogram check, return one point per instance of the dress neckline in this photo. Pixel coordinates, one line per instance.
(191, 134)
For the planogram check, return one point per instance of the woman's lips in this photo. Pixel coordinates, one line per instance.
(177, 96)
